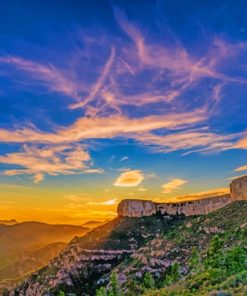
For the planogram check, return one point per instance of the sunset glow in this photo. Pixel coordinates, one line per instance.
(114, 100)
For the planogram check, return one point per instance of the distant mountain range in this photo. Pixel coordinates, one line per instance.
(8, 222)
(94, 223)
(27, 246)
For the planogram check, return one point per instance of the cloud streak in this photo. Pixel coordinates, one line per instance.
(172, 185)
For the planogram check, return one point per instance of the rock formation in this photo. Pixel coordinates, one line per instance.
(238, 188)
(140, 208)
(136, 208)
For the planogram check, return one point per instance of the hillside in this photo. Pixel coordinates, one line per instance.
(149, 247)
(93, 223)
(26, 246)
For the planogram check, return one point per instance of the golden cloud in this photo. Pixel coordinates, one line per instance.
(109, 202)
(129, 179)
(173, 185)
(51, 160)
(242, 168)
(202, 194)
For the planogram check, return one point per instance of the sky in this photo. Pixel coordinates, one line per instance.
(106, 100)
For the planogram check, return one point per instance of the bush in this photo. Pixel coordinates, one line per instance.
(148, 281)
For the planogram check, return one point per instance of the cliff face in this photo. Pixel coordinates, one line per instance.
(238, 188)
(136, 208)
(140, 208)
(192, 208)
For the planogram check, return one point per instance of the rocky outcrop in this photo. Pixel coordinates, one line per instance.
(140, 208)
(238, 188)
(196, 207)
(136, 208)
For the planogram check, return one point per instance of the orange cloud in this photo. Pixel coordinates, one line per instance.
(242, 168)
(242, 143)
(202, 194)
(129, 179)
(109, 202)
(51, 160)
(103, 127)
(172, 185)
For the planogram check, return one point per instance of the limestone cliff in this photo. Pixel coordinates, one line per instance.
(140, 208)
(136, 208)
(238, 188)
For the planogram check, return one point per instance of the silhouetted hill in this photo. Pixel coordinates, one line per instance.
(26, 246)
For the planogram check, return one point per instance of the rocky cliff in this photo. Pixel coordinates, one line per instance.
(136, 208)
(238, 188)
(140, 208)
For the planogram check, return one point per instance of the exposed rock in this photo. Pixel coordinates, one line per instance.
(238, 188)
(136, 208)
(196, 207)
(213, 230)
(140, 208)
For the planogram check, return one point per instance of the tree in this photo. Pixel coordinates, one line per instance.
(173, 275)
(101, 292)
(235, 260)
(148, 281)
(195, 259)
(114, 289)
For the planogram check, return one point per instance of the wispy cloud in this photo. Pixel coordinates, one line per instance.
(104, 127)
(124, 158)
(52, 160)
(109, 202)
(203, 194)
(99, 83)
(172, 185)
(47, 75)
(241, 168)
(129, 179)
(138, 89)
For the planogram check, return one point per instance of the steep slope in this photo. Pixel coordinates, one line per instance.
(136, 247)
(209, 253)
(78, 268)
(21, 245)
(30, 262)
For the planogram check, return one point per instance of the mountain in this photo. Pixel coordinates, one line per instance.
(27, 246)
(93, 223)
(8, 222)
(195, 247)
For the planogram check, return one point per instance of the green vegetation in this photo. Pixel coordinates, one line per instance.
(209, 258)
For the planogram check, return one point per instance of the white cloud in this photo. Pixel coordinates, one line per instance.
(124, 158)
(109, 202)
(172, 185)
(142, 189)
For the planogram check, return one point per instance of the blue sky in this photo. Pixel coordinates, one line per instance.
(113, 99)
